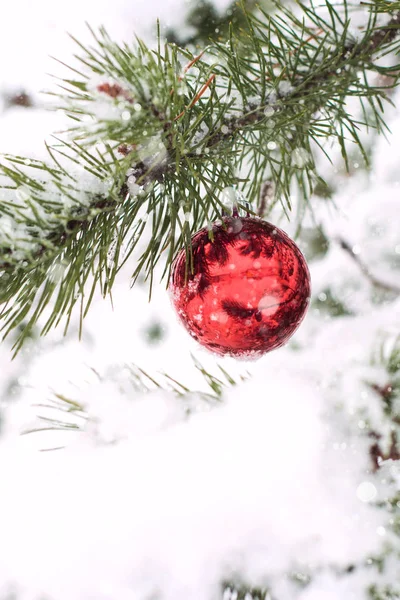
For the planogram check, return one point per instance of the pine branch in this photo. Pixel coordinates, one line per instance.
(61, 413)
(387, 34)
(177, 130)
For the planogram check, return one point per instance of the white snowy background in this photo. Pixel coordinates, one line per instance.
(270, 486)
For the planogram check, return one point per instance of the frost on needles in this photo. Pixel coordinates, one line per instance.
(158, 134)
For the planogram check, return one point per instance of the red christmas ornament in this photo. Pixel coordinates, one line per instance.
(248, 290)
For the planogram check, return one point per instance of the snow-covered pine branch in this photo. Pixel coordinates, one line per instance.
(274, 493)
(164, 132)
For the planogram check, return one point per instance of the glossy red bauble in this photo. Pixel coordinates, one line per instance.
(247, 290)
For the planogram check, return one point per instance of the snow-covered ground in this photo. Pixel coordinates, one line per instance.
(270, 487)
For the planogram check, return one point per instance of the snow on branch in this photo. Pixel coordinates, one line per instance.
(175, 129)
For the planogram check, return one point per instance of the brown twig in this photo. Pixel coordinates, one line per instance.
(364, 269)
(385, 391)
(385, 34)
(187, 67)
(126, 149)
(266, 197)
(197, 96)
(378, 455)
(21, 99)
(113, 90)
(190, 64)
(202, 91)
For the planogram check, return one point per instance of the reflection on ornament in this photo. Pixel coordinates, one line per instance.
(248, 290)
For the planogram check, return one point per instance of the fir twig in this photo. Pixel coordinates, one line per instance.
(246, 110)
(65, 414)
(390, 287)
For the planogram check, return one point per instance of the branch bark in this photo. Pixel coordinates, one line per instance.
(365, 270)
